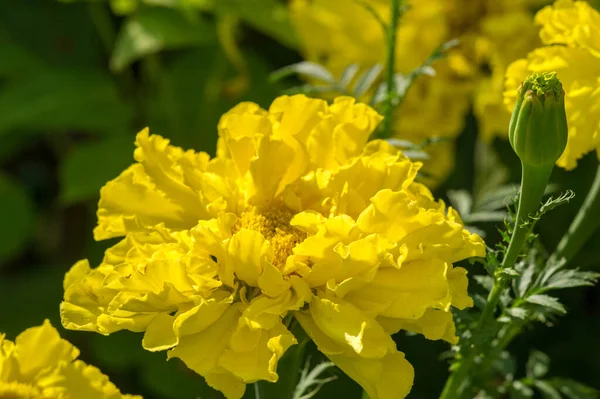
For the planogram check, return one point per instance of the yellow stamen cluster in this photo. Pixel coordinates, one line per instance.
(274, 225)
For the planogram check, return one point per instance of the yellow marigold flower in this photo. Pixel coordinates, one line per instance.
(296, 216)
(492, 34)
(42, 365)
(571, 32)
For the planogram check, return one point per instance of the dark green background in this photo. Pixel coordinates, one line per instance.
(71, 101)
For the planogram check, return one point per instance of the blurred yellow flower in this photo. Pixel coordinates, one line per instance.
(492, 33)
(296, 216)
(571, 32)
(41, 365)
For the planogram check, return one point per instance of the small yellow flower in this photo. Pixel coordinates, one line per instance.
(41, 365)
(296, 216)
(571, 32)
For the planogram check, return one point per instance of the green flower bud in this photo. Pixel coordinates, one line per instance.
(538, 126)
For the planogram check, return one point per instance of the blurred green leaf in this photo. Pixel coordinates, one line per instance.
(574, 390)
(547, 390)
(89, 166)
(16, 60)
(270, 17)
(64, 99)
(30, 297)
(173, 380)
(155, 29)
(305, 68)
(16, 217)
(537, 364)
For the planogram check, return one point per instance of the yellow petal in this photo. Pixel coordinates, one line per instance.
(348, 326)
(201, 351)
(259, 361)
(248, 251)
(390, 377)
(38, 348)
(159, 335)
(406, 292)
(231, 386)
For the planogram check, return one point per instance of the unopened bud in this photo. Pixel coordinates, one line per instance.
(538, 127)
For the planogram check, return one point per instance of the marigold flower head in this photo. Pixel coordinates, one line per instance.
(571, 32)
(296, 217)
(39, 364)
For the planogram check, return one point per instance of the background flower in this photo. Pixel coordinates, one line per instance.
(571, 32)
(40, 364)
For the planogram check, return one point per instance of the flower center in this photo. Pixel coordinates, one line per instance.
(274, 225)
(17, 390)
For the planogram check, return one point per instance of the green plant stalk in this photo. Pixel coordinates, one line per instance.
(388, 110)
(533, 185)
(586, 222)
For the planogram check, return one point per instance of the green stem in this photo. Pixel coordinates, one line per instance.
(389, 75)
(257, 394)
(533, 185)
(583, 226)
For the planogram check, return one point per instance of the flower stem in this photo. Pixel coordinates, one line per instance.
(583, 226)
(533, 185)
(389, 75)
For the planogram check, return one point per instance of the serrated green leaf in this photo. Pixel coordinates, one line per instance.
(155, 29)
(90, 166)
(366, 80)
(571, 278)
(538, 364)
(16, 216)
(518, 313)
(526, 279)
(546, 301)
(305, 68)
(62, 100)
(573, 389)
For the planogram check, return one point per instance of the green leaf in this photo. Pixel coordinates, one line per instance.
(155, 29)
(90, 166)
(573, 389)
(270, 17)
(16, 217)
(62, 100)
(571, 278)
(526, 279)
(546, 301)
(306, 69)
(518, 313)
(547, 390)
(348, 75)
(538, 364)
(461, 200)
(366, 80)
(486, 282)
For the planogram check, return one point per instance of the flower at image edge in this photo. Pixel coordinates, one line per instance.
(297, 216)
(39, 364)
(570, 31)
